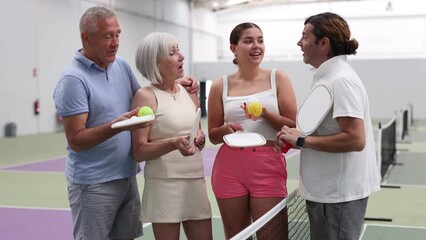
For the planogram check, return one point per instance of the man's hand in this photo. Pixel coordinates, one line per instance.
(190, 83)
(286, 138)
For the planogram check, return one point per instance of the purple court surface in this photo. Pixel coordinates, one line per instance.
(26, 223)
(58, 165)
(30, 223)
(42, 223)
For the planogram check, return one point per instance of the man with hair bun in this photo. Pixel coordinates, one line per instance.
(338, 169)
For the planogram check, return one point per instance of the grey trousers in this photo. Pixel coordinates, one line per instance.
(107, 210)
(337, 221)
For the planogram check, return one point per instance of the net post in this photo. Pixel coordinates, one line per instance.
(379, 151)
(400, 122)
(410, 114)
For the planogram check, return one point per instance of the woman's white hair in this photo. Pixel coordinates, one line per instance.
(153, 48)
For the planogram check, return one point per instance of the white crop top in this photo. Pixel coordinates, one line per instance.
(234, 113)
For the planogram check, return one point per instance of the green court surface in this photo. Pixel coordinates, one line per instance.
(384, 232)
(397, 210)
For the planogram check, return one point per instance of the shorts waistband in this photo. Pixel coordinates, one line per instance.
(250, 149)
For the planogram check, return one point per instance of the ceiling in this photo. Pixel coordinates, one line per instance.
(217, 5)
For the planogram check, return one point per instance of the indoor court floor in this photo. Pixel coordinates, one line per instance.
(34, 205)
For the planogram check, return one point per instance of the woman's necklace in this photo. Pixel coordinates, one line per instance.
(173, 93)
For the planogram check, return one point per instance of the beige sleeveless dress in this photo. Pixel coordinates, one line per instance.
(175, 188)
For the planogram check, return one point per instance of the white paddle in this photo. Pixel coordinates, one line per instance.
(195, 127)
(244, 139)
(133, 121)
(313, 111)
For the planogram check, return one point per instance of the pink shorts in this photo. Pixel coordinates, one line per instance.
(257, 171)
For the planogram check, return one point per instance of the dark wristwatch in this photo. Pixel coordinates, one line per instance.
(300, 141)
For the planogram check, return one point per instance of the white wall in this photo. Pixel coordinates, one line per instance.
(391, 56)
(207, 41)
(391, 83)
(40, 38)
(400, 33)
(17, 62)
(43, 35)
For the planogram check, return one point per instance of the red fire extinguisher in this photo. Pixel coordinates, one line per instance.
(36, 107)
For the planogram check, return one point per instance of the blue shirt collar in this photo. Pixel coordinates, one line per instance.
(86, 61)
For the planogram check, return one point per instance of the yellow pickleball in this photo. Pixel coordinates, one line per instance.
(144, 111)
(254, 108)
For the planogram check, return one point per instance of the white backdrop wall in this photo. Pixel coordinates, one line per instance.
(41, 36)
(39, 39)
(391, 84)
(391, 56)
(396, 33)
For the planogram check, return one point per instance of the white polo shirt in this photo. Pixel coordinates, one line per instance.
(339, 177)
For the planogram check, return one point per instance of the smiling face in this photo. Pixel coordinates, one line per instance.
(171, 67)
(250, 47)
(101, 46)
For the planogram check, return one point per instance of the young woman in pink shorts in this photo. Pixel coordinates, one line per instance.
(249, 181)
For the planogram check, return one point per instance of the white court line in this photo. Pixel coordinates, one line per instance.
(388, 226)
(394, 226)
(35, 208)
(147, 224)
(363, 231)
(31, 171)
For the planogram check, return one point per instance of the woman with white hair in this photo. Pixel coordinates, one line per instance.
(174, 190)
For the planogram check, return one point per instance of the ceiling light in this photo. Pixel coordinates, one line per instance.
(235, 2)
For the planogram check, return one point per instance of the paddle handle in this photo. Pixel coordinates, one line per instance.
(286, 147)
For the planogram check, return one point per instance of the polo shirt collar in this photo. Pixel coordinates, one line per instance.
(328, 66)
(85, 61)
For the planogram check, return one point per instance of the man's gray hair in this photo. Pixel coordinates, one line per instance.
(89, 20)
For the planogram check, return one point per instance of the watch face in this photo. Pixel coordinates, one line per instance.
(300, 141)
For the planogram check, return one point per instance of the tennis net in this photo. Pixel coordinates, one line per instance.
(386, 146)
(287, 220)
